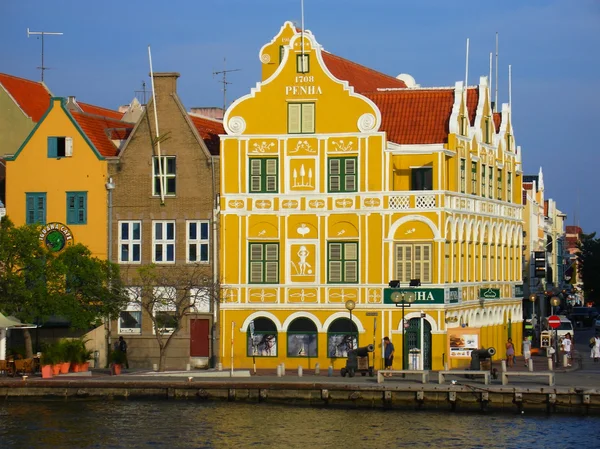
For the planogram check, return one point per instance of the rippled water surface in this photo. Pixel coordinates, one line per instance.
(183, 424)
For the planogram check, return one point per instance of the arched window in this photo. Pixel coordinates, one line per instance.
(342, 336)
(262, 338)
(302, 338)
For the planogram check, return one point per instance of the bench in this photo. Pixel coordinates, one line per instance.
(549, 374)
(484, 373)
(423, 373)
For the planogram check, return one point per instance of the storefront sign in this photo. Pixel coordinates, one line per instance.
(453, 295)
(422, 295)
(461, 341)
(489, 293)
(56, 236)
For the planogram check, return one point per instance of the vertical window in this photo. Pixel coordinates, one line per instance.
(342, 262)
(130, 318)
(264, 175)
(197, 240)
(281, 53)
(491, 182)
(474, 178)
(301, 118)
(35, 204)
(499, 184)
(262, 338)
(163, 241)
(447, 260)
(302, 338)
(130, 241)
(76, 207)
(167, 165)
(486, 130)
(342, 174)
(509, 187)
(463, 175)
(165, 309)
(60, 147)
(421, 178)
(413, 261)
(484, 262)
(302, 63)
(264, 263)
(463, 125)
(483, 180)
(508, 142)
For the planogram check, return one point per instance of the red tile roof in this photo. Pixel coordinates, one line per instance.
(497, 121)
(362, 78)
(31, 96)
(209, 129)
(100, 131)
(98, 110)
(472, 102)
(415, 116)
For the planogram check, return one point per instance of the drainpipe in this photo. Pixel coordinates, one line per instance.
(110, 186)
(215, 267)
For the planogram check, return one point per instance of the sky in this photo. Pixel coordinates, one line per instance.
(552, 46)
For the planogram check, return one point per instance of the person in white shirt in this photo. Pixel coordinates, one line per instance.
(595, 348)
(567, 345)
(527, 350)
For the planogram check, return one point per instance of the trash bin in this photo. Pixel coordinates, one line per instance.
(414, 359)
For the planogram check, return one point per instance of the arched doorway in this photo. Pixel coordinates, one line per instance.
(342, 336)
(302, 338)
(418, 336)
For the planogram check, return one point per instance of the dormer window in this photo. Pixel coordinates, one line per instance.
(487, 138)
(60, 147)
(302, 63)
(463, 125)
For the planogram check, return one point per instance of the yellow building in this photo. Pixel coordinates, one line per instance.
(329, 195)
(58, 176)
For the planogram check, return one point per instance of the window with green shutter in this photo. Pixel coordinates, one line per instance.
(264, 175)
(413, 261)
(463, 175)
(491, 182)
(76, 207)
(302, 63)
(301, 118)
(342, 262)
(342, 174)
(35, 205)
(474, 178)
(499, 184)
(509, 187)
(60, 147)
(264, 263)
(483, 180)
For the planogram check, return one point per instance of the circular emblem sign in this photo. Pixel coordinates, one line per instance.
(56, 236)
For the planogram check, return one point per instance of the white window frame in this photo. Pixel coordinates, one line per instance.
(165, 175)
(170, 306)
(200, 297)
(198, 242)
(134, 294)
(130, 242)
(164, 243)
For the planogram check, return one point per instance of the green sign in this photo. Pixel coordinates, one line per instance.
(519, 291)
(453, 296)
(489, 293)
(422, 295)
(56, 236)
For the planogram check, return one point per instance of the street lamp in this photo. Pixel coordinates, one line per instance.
(402, 299)
(350, 305)
(555, 302)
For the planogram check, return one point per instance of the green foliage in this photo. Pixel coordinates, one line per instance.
(588, 260)
(53, 353)
(117, 357)
(74, 351)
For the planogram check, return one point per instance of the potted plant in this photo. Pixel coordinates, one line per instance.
(48, 359)
(117, 358)
(65, 364)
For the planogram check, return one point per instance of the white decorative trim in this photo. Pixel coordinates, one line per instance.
(337, 315)
(310, 316)
(265, 59)
(407, 218)
(269, 315)
(366, 122)
(237, 125)
(411, 315)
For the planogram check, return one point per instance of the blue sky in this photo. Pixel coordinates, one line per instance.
(552, 45)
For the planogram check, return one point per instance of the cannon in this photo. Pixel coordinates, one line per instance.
(358, 361)
(479, 355)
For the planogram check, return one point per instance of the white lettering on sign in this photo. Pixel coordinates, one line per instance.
(303, 90)
(425, 296)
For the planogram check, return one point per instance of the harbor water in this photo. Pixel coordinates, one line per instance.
(191, 424)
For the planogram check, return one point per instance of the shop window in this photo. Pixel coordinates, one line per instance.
(262, 338)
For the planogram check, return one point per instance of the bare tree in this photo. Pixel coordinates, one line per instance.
(168, 294)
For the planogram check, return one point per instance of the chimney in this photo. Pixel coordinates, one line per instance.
(165, 82)
(72, 104)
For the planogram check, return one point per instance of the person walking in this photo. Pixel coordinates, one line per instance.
(123, 349)
(388, 354)
(595, 348)
(527, 350)
(567, 346)
(510, 352)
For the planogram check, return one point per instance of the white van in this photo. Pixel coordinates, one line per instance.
(566, 327)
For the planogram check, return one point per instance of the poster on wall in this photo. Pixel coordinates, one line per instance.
(302, 345)
(462, 341)
(262, 345)
(338, 345)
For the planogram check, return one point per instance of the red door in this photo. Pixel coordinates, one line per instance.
(199, 338)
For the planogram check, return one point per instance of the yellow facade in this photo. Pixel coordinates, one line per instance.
(32, 171)
(320, 212)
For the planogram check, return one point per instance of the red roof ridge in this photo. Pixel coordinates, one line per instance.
(204, 117)
(90, 107)
(369, 69)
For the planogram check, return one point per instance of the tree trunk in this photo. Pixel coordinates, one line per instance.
(162, 359)
(28, 344)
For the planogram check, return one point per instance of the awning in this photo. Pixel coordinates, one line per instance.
(10, 322)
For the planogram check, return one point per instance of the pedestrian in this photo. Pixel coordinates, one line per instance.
(510, 352)
(595, 347)
(388, 354)
(527, 350)
(567, 345)
(123, 349)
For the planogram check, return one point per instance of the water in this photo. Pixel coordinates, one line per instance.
(187, 424)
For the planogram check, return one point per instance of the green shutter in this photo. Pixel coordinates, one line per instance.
(52, 147)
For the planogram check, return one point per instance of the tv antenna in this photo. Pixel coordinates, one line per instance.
(224, 81)
(42, 33)
(143, 92)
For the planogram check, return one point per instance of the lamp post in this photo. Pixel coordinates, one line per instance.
(532, 299)
(555, 302)
(402, 299)
(110, 186)
(350, 305)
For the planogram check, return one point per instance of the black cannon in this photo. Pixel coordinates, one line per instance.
(358, 362)
(479, 355)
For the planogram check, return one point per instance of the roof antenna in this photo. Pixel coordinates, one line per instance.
(510, 86)
(143, 92)
(42, 33)
(225, 82)
(467, 66)
(496, 97)
(302, 32)
(491, 65)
